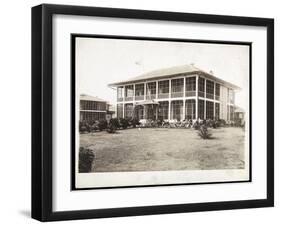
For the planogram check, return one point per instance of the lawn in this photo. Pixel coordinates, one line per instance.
(157, 149)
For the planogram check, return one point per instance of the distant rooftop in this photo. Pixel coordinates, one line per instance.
(173, 72)
(91, 98)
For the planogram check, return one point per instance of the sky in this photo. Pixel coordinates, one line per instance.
(101, 61)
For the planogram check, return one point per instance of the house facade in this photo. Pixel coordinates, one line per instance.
(176, 93)
(94, 109)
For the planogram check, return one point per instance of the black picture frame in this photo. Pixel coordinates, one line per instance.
(42, 107)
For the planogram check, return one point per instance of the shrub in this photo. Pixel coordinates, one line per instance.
(111, 128)
(222, 122)
(84, 127)
(204, 132)
(102, 124)
(196, 125)
(115, 122)
(124, 123)
(86, 158)
(95, 126)
(134, 122)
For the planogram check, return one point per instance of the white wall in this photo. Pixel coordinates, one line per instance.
(15, 112)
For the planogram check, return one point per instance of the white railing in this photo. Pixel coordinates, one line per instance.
(201, 94)
(128, 98)
(151, 97)
(190, 93)
(141, 97)
(163, 95)
(209, 96)
(177, 94)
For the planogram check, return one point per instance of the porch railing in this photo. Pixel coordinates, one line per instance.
(177, 94)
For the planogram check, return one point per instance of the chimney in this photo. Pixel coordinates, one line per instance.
(211, 72)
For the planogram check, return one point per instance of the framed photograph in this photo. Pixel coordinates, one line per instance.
(145, 112)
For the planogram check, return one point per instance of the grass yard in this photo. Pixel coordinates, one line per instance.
(157, 149)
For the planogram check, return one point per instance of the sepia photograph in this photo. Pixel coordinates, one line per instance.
(152, 111)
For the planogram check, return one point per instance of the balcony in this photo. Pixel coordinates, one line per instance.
(129, 98)
(176, 94)
(141, 97)
(190, 93)
(210, 96)
(201, 94)
(151, 97)
(163, 95)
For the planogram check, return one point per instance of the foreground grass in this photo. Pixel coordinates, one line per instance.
(157, 149)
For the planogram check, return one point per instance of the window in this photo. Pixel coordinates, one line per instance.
(217, 91)
(129, 92)
(209, 110)
(230, 96)
(201, 87)
(217, 111)
(101, 106)
(177, 87)
(92, 105)
(82, 105)
(139, 91)
(129, 110)
(190, 109)
(91, 117)
(163, 110)
(151, 90)
(139, 112)
(210, 89)
(201, 109)
(163, 89)
(190, 86)
(119, 110)
(176, 109)
(120, 94)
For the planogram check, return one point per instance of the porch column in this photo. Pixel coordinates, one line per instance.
(169, 112)
(196, 97)
(170, 94)
(205, 88)
(123, 116)
(156, 115)
(214, 100)
(184, 86)
(134, 93)
(183, 110)
(145, 84)
(156, 90)
(170, 88)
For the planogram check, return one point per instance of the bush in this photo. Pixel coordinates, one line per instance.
(84, 127)
(222, 122)
(124, 123)
(196, 125)
(114, 122)
(134, 122)
(204, 132)
(102, 124)
(86, 158)
(111, 128)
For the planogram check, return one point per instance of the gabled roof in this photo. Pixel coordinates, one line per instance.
(173, 72)
(91, 98)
